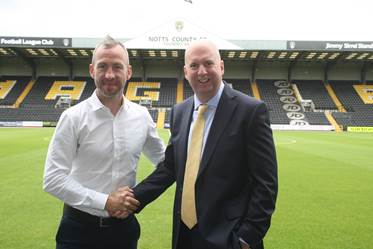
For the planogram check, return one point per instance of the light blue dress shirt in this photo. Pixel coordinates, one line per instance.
(209, 115)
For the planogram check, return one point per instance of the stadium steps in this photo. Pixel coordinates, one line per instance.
(315, 90)
(11, 87)
(365, 92)
(334, 98)
(24, 93)
(255, 89)
(6, 87)
(188, 92)
(358, 113)
(333, 122)
(161, 118)
(180, 91)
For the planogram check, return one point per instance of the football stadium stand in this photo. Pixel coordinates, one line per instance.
(242, 85)
(187, 90)
(271, 95)
(358, 112)
(11, 88)
(167, 91)
(39, 104)
(315, 91)
(307, 85)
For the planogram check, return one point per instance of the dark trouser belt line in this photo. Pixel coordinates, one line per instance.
(89, 219)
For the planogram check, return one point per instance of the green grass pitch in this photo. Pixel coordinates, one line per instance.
(325, 196)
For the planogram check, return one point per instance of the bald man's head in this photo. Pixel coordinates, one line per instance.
(202, 44)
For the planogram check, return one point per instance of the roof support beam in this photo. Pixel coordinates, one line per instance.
(68, 62)
(143, 66)
(290, 70)
(363, 72)
(180, 65)
(328, 66)
(253, 69)
(326, 72)
(28, 60)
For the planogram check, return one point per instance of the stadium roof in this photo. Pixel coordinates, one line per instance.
(169, 41)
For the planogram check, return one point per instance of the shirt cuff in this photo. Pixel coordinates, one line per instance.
(99, 200)
(243, 242)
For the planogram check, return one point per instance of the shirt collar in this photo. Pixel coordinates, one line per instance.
(213, 102)
(96, 103)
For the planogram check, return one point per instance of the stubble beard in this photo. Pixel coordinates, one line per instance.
(109, 94)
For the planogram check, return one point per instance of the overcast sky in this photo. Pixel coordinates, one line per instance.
(229, 19)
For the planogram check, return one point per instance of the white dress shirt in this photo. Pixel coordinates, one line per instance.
(92, 152)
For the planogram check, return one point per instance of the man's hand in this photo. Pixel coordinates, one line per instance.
(121, 203)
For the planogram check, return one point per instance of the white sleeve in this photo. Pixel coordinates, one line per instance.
(57, 180)
(154, 147)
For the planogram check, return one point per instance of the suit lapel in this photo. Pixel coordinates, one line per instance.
(182, 148)
(223, 115)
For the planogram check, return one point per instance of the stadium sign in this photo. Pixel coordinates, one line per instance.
(359, 129)
(177, 34)
(288, 99)
(298, 123)
(330, 45)
(34, 42)
(292, 108)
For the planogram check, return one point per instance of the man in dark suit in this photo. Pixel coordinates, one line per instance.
(234, 192)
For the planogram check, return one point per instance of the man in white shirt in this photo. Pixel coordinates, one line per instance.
(94, 153)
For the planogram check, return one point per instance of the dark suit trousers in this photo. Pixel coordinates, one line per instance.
(190, 239)
(77, 233)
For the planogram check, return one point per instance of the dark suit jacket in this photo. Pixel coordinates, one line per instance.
(236, 186)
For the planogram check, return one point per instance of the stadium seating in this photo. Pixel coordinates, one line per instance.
(167, 91)
(88, 89)
(36, 97)
(242, 85)
(269, 95)
(138, 91)
(315, 91)
(38, 107)
(358, 113)
(154, 114)
(30, 114)
(161, 91)
(316, 118)
(188, 91)
(167, 118)
(9, 97)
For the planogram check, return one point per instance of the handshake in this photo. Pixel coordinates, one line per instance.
(121, 203)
